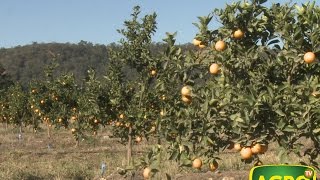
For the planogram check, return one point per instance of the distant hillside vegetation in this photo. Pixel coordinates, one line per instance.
(24, 63)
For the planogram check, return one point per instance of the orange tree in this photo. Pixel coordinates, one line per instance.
(253, 81)
(53, 101)
(5, 83)
(93, 105)
(131, 75)
(14, 108)
(5, 80)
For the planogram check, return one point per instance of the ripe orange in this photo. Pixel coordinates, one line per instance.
(197, 163)
(121, 116)
(59, 120)
(153, 72)
(36, 110)
(220, 45)
(118, 124)
(256, 148)
(213, 166)
(96, 121)
(237, 147)
(238, 34)
(309, 57)
(186, 91)
(246, 153)
(42, 101)
(31, 106)
(153, 129)
(73, 130)
(214, 68)
(201, 45)
(163, 97)
(187, 99)
(146, 173)
(138, 139)
(196, 42)
(33, 91)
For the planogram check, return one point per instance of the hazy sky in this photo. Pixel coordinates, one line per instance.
(26, 21)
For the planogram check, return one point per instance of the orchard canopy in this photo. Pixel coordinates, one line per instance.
(251, 82)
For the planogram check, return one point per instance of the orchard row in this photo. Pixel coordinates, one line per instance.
(252, 81)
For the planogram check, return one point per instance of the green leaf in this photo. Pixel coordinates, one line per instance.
(289, 128)
(174, 155)
(316, 131)
(301, 125)
(280, 112)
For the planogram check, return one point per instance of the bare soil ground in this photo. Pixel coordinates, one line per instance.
(30, 158)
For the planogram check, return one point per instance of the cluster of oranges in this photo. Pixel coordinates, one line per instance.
(197, 164)
(309, 57)
(186, 94)
(247, 152)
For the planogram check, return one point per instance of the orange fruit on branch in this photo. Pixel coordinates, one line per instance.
(202, 45)
(238, 34)
(309, 57)
(196, 42)
(186, 91)
(214, 68)
(237, 147)
(187, 99)
(256, 148)
(73, 130)
(220, 45)
(153, 72)
(138, 139)
(197, 163)
(213, 166)
(246, 153)
(146, 173)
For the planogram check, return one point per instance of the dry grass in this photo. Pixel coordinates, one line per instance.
(30, 158)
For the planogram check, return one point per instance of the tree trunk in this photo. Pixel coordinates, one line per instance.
(49, 131)
(129, 148)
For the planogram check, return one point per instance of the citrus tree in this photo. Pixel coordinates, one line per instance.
(14, 111)
(53, 102)
(253, 81)
(131, 76)
(5, 80)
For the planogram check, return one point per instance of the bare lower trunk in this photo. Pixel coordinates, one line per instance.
(194, 147)
(20, 128)
(49, 132)
(129, 148)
